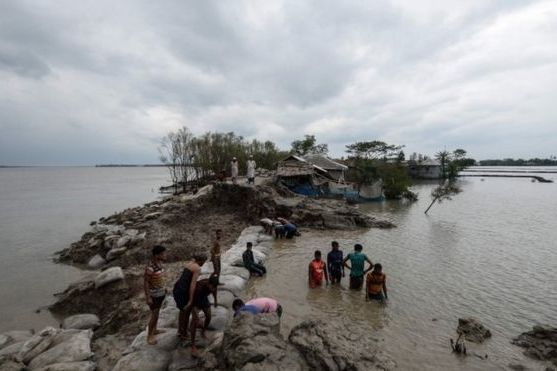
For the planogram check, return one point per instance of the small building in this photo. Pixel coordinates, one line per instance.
(335, 170)
(301, 176)
(425, 169)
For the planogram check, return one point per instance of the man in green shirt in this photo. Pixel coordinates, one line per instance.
(357, 263)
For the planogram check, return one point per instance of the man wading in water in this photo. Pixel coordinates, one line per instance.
(376, 284)
(335, 264)
(155, 290)
(215, 254)
(184, 290)
(317, 270)
(357, 262)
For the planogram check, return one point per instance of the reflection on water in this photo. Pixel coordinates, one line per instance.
(488, 253)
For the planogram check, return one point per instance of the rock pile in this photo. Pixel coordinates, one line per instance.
(472, 330)
(540, 343)
(50, 349)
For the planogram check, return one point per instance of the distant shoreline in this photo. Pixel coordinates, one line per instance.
(100, 165)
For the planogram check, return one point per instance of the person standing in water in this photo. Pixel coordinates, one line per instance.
(184, 290)
(357, 265)
(317, 270)
(376, 284)
(234, 170)
(155, 289)
(251, 170)
(335, 265)
(215, 253)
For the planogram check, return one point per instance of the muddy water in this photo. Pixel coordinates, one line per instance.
(489, 253)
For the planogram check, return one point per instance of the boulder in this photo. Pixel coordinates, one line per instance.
(96, 262)
(75, 348)
(37, 344)
(70, 366)
(472, 330)
(150, 359)
(540, 343)
(81, 322)
(95, 243)
(167, 341)
(110, 275)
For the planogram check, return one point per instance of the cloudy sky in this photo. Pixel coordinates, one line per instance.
(86, 82)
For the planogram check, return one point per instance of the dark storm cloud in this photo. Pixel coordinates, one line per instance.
(99, 81)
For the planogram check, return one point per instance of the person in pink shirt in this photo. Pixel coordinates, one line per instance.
(259, 305)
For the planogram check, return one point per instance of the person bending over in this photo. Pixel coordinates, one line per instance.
(257, 305)
(184, 289)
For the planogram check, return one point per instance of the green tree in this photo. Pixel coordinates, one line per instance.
(308, 145)
(375, 149)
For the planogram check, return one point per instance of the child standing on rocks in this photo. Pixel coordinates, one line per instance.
(203, 289)
(155, 289)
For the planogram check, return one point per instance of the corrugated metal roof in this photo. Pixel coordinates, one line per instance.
(325, 162)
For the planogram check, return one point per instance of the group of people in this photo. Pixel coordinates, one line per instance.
(334, 270)
(280, 228)
(250, 167)
(191, 294)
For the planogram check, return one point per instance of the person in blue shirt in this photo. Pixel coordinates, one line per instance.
(335, 264)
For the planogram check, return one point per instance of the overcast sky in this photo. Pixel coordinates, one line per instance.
(86, 82)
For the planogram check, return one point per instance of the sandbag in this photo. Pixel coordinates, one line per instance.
(232, 283)
(81, 322)
(166, 341)
(76, 348)
(70, 366)
(150, 359)
(15, 336)
(110, 275)
(37, 344)
(224, 298)
(168, 317)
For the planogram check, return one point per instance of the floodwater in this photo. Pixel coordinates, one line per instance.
(490, 253)
(45, 209)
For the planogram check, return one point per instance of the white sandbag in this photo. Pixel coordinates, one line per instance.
(76, 348)
(70, 366)
(166, 341)
(265, 250)
(236, 271)
(12, 349)
(81, 322)
(235, 258)
(96, 262)
(15, 336)
(224, 298)
(37, 344)
(150, 359)
(232, 283)
(168, 317)
(220, 317)
(110, 275)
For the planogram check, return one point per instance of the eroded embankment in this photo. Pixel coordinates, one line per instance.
(117, 247)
